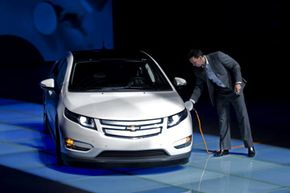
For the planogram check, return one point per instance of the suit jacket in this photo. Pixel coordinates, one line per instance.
(226, 69)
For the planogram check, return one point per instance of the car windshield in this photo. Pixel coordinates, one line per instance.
(117, 75)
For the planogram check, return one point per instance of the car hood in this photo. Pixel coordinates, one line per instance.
(124, 106)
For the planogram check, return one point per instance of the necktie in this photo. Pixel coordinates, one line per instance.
(212, 76)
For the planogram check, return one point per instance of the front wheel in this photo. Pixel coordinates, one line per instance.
(45, 124)
(59, 160)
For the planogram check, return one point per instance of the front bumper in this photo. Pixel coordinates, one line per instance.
(97, 147)
(128, 162)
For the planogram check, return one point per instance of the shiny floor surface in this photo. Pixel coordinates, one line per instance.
(25, 147)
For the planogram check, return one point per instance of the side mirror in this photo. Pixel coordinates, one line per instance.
(47, 84)
(179, 81)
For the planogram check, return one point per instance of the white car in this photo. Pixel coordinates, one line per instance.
(113, 107)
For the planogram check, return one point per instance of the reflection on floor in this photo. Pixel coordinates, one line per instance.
(24, 146)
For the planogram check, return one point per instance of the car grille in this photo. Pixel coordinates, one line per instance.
(132, 129)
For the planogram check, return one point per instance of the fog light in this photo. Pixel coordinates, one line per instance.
(69, 142)
(77, 145)
(183, 142)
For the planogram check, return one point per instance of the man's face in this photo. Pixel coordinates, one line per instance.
(197, 62)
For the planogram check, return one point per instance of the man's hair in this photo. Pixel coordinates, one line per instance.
(194, 53)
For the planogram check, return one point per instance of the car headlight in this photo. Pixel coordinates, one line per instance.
(176, 119)
(80, 119)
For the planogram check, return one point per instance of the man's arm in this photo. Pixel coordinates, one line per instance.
(198, 89)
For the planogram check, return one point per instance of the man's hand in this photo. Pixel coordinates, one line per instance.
(237, 88)
(189, 105)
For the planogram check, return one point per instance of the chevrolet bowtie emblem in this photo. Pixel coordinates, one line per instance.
(132, 128)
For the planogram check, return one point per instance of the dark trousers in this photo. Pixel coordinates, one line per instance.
(225, 98)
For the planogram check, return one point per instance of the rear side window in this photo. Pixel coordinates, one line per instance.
(117, 75)
(62, 71)
(58, 72)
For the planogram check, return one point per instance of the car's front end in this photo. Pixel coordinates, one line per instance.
(113, 108)
(125, 128)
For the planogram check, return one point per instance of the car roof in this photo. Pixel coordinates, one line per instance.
(86, 55)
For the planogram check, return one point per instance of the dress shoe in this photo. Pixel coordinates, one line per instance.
(221, 152)
(251, 152)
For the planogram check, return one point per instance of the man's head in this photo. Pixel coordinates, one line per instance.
(196, 58)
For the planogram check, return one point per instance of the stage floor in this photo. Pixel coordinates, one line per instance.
(27, 163)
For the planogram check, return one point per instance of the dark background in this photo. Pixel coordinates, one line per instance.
(253, 32)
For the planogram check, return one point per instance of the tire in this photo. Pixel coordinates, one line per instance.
(59, 160)
(45, 124)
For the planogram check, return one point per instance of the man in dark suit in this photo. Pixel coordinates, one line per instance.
(221, 74)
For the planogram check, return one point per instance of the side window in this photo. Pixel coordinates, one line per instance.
(54, 71)
(58, 72)
(59, 78)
